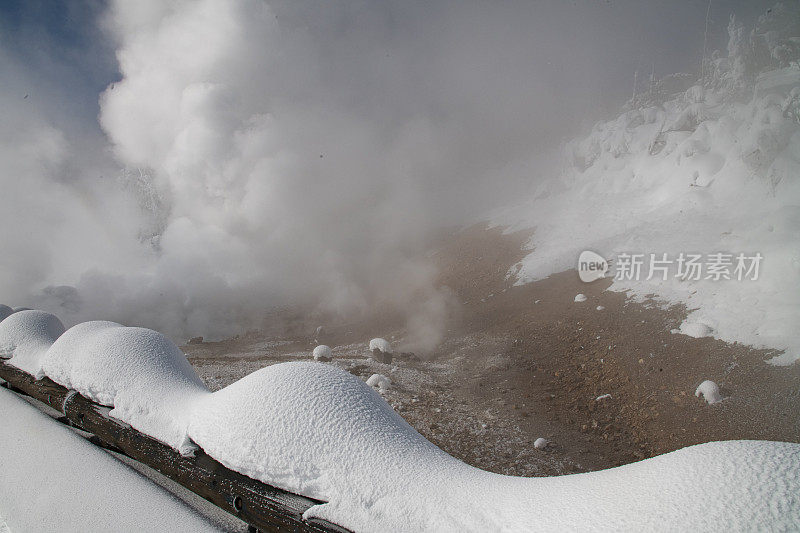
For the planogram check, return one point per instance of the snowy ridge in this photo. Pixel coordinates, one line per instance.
(321, 432)
(701, 169)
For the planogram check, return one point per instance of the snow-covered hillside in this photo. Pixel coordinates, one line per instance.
(692, 168)
(322, 432)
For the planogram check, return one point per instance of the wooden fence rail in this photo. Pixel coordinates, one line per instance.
(262, 507)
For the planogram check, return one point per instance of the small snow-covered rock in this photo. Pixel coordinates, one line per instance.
(710, 391)
(580, 297)
(25, 336)
(600, 308)
(541, 443)
(379, 381)
(381, 344)
(322, 353)
(381, 350)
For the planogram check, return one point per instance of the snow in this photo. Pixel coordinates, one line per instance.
(322, 353)
(381, 344)
(694, 329)
(580, 297)
(5, 311)
(541, 443)
(599, 307)
(25, 336)
(708, 169)
(321, 432)
(603, 397)
(379, 381)
(54, 481)
(138, 371)
(709, 391)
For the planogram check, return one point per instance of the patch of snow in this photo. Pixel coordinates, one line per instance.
(322, 353)
(709, 391)
(603, 397)
(694, 329)
(137, 371)
(25, 336)
(541, 443)
(53, 480)
(580, 297)
(381, 344)
(599, 307)
(379, 381)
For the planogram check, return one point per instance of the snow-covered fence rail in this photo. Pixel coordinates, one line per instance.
(261, 506)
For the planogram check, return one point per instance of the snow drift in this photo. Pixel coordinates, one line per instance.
(322, 432)
(319, 431)
(137, 371)
(706, 167)
(26, 336)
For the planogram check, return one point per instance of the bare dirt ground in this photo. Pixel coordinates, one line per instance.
(524, 362)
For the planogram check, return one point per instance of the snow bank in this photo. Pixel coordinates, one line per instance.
(55, 481)
(709, 391)
(321, 432)
(25, 336)
(137, 371)
(714, 168)
(322, 353)
(379, 381)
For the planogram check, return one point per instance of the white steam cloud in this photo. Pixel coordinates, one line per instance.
(256, 155)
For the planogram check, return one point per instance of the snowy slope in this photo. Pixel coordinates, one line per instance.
(711, 168)
(53, 480)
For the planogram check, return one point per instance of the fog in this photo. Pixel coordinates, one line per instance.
(188, 166)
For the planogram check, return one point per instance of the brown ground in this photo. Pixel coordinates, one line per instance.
(525, 362)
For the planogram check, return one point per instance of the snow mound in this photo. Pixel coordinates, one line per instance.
(381, 344)
(55, 481)
(710, 392)
(25, 336)
(322, 353)
(541, 443)
(580, 297)
(379, 381)
(137, 371)
(5, 311)
(694, 329)
(319, 431)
